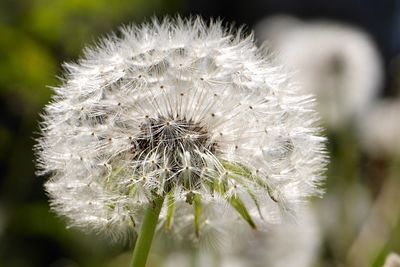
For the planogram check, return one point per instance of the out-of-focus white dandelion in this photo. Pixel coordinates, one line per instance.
(183, 111)
(293, 244)
(288, 244)
(338, 63)
(392, 260)
(379, 128)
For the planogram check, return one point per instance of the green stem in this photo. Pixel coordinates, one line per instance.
(145, 238)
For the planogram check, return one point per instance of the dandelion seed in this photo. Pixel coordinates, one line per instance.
(226, 127)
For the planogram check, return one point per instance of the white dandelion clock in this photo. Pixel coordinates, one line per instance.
(178, 113)
(392, 260)
(340, 64)
(293, 244)
(288, 244)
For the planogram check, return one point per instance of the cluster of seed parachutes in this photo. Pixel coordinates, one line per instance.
(181, 110)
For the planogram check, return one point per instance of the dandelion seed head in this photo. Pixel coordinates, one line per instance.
(181, 109)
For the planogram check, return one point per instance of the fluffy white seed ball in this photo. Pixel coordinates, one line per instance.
(180, 109)
(392, 260)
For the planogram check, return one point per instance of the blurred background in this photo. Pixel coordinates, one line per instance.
(344, 51)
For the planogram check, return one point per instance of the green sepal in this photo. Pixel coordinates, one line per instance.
(239, 206)
(255, 200)
(237, 169)
(246, 173)
(235, 201)
(197, 214)
(170, 209)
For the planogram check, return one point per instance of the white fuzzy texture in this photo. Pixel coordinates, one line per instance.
(288, 244)
(338, 63)
(163, 108)
(294, 244)
(392, 260)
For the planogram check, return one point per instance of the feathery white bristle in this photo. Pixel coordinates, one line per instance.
(177, 105)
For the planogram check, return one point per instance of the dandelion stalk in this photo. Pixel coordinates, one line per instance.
(146, 234)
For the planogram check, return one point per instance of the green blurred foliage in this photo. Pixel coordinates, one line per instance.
(25, 68)
(71, 23)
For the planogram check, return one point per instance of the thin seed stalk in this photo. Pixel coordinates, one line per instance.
(146, 234)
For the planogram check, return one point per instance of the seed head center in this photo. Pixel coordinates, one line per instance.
(177, 144)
